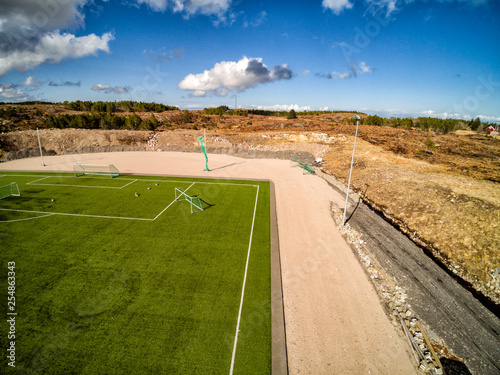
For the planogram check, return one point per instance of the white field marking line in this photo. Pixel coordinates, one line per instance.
(171, 203)
(40, 179)
(131, 182)
(81, 186)
(34, 183)
(243, 288)
(29, 218)
(78, 215)
(129, 179)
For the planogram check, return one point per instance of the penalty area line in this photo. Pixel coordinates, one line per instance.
(243, 287)
(171, 203)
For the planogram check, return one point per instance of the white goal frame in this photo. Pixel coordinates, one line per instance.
(195, 202)
(95, 169)
(11, 190)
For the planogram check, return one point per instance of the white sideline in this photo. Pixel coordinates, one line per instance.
(243, 287)
(77, 215)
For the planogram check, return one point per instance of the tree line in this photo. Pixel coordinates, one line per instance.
(121, 106)
(100, 121)
(225, 110)
(439, 125)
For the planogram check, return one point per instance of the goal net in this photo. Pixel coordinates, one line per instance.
(10, 190)
(95, 169)
(195, 202)
(305, 166)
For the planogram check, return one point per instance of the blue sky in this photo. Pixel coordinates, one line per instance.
(437, 58)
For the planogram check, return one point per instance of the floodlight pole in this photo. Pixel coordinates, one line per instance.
(40, 146)
(357, 118)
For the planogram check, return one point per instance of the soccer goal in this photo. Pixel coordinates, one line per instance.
(10, 190)
(95, 169)
(305, 166)
(195, 202)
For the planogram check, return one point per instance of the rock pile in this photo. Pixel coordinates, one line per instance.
(152, 142)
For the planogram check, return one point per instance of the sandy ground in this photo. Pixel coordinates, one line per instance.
(335, 323)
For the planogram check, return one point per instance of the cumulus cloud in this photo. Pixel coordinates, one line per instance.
(30, 34)
(32, 82)
(189, 8)
(233, 76)
(11, 92)
(337, 6)
(352, 72)
(107, 89)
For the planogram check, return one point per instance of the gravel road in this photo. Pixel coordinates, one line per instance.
(467, 327)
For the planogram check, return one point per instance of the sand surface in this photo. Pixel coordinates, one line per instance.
(335, 323)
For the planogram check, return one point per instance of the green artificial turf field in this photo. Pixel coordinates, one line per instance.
(107, 282)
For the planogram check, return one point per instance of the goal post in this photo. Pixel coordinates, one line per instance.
(305, 166)
(10, 190)
(95, 169)
(195, 202)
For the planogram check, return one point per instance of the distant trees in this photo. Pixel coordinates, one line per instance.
(291, 115)
(100, 121)
(219, 111)
(439, 125)
(475, 124)
(122, 106)
(374, 120)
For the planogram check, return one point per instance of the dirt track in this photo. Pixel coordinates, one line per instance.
(335, 322)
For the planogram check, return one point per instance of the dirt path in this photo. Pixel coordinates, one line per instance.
(335, 322)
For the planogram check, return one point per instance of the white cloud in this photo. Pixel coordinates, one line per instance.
(30, 33)
(52, 48)
(188, 8)
(9, 91)
(337, 6)
(107, 89)
(365, 68)
(233, 76)
(31, 82)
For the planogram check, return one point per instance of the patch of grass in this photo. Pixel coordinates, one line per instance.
(429, 143)
(117, 291)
